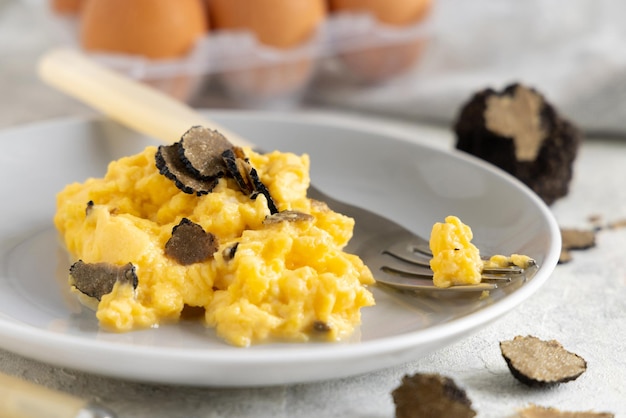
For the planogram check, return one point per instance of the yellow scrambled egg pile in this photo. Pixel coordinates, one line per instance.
(287, 281)
(456, 261)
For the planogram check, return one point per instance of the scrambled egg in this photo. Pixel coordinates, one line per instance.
(519, 260)
(287, 281)
(456, 261)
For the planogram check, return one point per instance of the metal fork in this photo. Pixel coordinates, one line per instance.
(397, 257)
(400, 259)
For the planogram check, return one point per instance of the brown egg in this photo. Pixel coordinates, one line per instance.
(377, 63)
(183, 87)
(262, 85)
(151, 28)
(66, 7)
(392, 12)
(279, 23)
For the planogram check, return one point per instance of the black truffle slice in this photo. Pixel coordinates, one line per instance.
(575, 239)
(201, 151)
(97, 279)
(190, 243)
(229, 252)
(260, 188)
(201, 157)
(541, 363)
(520, 132)
(247, 178)
(431, 395)
(534, 411)
(578, 239)
(239, 169)
(287, 216)
(89, 208)
(321, 326)
(170, 165)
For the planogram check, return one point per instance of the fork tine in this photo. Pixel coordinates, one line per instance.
(405, 283)
(400, 266)
(498, 277)
(503, 270)
(511, 269)
(413, 251)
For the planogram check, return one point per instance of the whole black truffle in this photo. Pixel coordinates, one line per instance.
(520, 132)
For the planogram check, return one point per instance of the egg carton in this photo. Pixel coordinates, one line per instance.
(232, 69)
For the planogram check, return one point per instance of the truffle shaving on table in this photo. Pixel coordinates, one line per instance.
(575, 239)
(537, 362)
(534, 411)
(431, 395)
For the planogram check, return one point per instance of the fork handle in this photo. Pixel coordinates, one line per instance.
(130, 102)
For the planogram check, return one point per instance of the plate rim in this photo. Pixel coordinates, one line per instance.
(304, 353)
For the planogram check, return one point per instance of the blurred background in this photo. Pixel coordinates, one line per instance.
(417, 60)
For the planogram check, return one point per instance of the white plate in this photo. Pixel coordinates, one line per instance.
(414, 184)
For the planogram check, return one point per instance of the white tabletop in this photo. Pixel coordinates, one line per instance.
(583, 305)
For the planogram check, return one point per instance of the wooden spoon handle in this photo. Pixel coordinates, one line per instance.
(130, 102)
(22, 399)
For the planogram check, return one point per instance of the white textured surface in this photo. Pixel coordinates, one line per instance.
(583, 306)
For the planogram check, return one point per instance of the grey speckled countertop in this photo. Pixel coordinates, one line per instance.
(583, 305)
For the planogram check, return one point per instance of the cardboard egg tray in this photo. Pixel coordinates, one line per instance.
(231, 69)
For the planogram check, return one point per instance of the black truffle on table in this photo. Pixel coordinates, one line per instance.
(519, 131)
(537, 362)
(431, 396)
